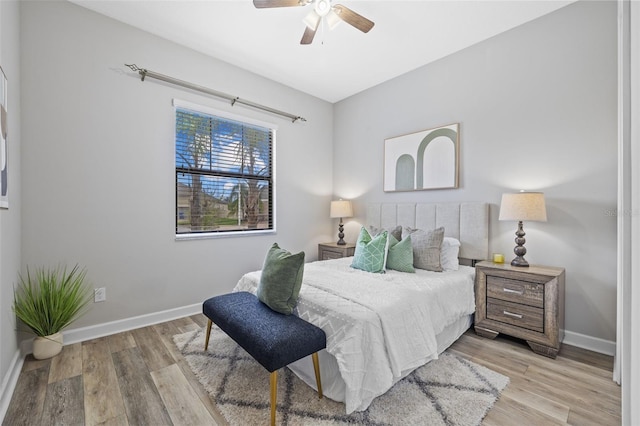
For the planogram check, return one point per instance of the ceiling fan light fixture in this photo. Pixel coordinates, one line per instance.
(332, 19)
(322, 7)
(312, 20)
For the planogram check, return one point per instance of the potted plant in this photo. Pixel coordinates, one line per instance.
(47, 302)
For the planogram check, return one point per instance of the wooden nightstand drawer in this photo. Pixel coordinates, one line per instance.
(330, 254)
(515, 291)
(328, 251)
(523, 316)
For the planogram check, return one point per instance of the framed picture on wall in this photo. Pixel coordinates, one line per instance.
(423, 160)
(4, 160)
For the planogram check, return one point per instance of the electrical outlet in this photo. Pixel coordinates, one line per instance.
(99, 294)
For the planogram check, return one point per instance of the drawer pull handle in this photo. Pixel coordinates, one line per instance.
(511, 314)
(508, 290)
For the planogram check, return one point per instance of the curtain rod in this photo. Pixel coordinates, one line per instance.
(234, 99)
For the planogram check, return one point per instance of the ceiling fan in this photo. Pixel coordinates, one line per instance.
(321, 9)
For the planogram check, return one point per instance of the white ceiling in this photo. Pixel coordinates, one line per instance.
(339, 63)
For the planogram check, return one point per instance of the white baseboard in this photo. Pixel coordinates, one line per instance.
(594, 344)
(83, 334)
(9, 383)
(76, 335)
(100, 330)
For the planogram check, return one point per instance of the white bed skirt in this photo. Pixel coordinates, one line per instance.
(332, 384)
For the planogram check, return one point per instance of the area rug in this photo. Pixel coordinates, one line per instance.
(448, 391)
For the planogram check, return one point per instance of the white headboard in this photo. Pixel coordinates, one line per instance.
(468, 222)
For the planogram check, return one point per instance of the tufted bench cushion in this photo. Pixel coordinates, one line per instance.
(271, 338)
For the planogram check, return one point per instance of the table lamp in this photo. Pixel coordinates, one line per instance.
(522, 206)
(341, 208)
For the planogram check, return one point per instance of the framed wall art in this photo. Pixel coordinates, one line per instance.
(4, 160)
(423, 160)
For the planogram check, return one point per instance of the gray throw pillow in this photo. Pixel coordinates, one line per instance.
(426, 248)
(396, 232)
(281, 279)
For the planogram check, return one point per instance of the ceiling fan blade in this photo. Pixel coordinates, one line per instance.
(308, 35)
(261, 4)
(352, 18)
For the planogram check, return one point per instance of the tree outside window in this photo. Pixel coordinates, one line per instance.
(224, 174)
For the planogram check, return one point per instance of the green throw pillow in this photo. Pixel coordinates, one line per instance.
(371, 252)
(281, 279)
(400, 256)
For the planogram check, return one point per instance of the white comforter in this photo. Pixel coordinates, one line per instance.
(378, 326)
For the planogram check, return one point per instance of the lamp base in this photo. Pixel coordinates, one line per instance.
(341, 241)
(519, 261)
(519, 250)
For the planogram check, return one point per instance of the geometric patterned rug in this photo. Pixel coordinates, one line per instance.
(447, 391)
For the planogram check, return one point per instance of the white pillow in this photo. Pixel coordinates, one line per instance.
(449, 254)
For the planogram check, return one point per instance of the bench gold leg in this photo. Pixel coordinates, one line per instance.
(316, 368)
(206, 340)
(274, 396)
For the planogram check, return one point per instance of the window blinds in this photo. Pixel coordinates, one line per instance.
(224, 174)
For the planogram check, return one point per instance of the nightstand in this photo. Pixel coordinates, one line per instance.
(523, 302)
(328, 251)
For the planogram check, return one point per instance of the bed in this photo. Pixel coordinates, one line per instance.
(380, 327)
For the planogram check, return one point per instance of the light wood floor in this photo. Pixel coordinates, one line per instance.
(139, 378)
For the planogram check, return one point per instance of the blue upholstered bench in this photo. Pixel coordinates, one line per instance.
(271, 338)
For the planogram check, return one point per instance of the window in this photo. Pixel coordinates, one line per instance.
(224, 173)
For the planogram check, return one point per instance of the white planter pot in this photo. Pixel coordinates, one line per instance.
(47, 346)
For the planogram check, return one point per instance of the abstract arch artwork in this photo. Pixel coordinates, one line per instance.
(423, 160)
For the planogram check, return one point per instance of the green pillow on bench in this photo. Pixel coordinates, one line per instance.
(281, 279)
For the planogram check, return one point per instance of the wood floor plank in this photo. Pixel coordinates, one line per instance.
(577, 370)
(120, 420)
(141, 398)
(200, 319)
(517, 392)
(166, 331)
(67, 364)
(64, 404)
(509, 412)
(30, 363)
(605, 398)
(557, 392)
(28, 398)
(186, 324)
(595, 359)
(584, 416)
(154, 352)
(181, 401)
(121, 341)
(501, 360)
(102, 398)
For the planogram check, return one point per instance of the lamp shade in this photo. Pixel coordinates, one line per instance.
(523, 206)
(341, 208)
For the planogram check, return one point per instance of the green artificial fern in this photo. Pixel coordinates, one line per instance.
(51, 299)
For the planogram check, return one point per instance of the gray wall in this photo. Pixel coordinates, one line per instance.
(537, 111)
(10, 219)
(98, 162)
